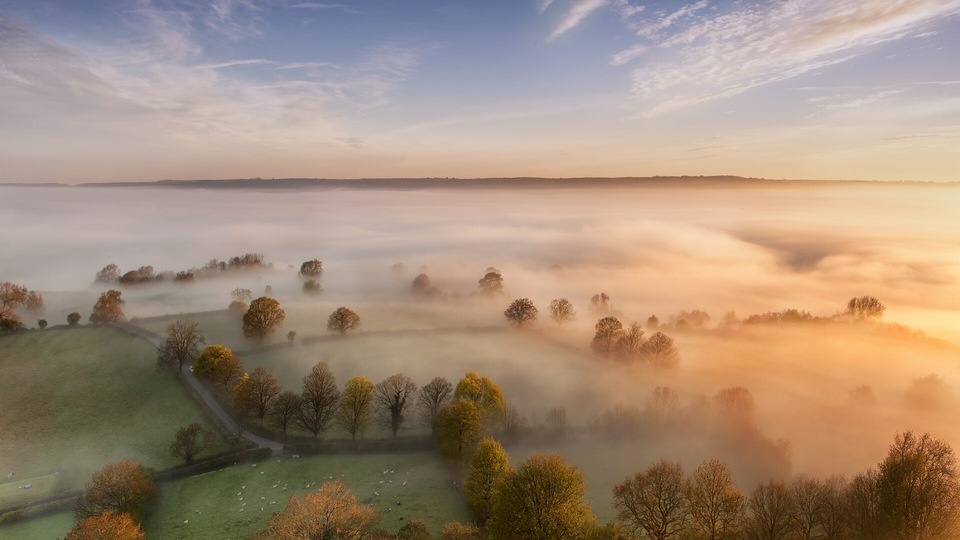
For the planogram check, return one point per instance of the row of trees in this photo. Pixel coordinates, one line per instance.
(613, 340)
(111, 273)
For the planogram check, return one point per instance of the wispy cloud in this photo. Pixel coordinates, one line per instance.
(544, 4)
(231, 63)
(578, 11)
(705, 55)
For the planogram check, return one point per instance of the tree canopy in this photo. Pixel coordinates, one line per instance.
(108, 309)
(190, 441)
(488, 468)
(108, 525)
(356, 406)
(181, 344)
(561, 311)
(457, 427)
(393, 398)
(332, 512)
(263, 317)
(483, 392)
(342, 320)
(124, 488)
(521, 312)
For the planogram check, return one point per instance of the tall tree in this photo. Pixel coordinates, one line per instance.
(356, 404)
(543, 499)
(809, 497)
(521, 313)
(393, 398)
(457, 428)
(630, 345)
(108, 309)
(106, 526)
(918, 487)
(771, 510)
(190, 441)
(342, 320)
(182, 344)
(561, 311)
(483, 392)
(319, 399)
(717, 508)
(332, 512)
(652, 502)
(284, 410)
(488, 469)
(124, 488)
(263, 317)
(608, 332)
(242, 401)
(265, 389)
(433, 396)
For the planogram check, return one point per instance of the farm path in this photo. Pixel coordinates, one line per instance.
(212, 404)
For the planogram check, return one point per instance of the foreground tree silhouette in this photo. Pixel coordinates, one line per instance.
(356, 404)
(319, 400)
(190, 441)
(521, 312)
(717, 508)
(862, 308)
(771, 510)
(609, 330)
(284, 410)
(488, 468)
(543, 499)
(108, 309)
(393, 397)
(331, 513)
(918, 487)
(182, 344)
(343, 320)
(651, 503)
(433, 396)
(124, 488)
(263, 317)
(107, 526)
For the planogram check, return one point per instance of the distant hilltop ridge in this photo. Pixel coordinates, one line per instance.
(526, 182)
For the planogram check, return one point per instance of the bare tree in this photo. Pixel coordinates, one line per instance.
(608, 332)
(736, 404)
(181, 345)
(630, 346)
(284, 410)
(809, 497)
(393, 398)
(561, 311)
(861, 308)
(108, 274)
(662, 407)
(652, 502)
(264, 389)
(319, 400)
(660, 351)
(771, 507)
(717, 508)
(521, 313)
(433, 396)
(190, 441)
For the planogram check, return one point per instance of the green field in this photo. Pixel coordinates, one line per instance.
(75, 399)
(235, 503)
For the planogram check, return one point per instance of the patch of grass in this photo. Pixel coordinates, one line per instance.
(47, 526)
(76, 399)
(237, 502)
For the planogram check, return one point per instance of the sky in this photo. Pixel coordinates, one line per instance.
(142, 90)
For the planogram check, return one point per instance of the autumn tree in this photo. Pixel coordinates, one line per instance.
(241, 295)
(241, 400)
(182, 344)
(630, 345)
(864, 308)
(343, 320)
(190, 441)
(561, 311)
(218, 364)
(124, 488)
(651, 503)
(108, 309)
(716, 506)
(107, 525)
(483, 392)
(608, 332)
(457, 427)
(332, 512)
(542, 499)
(660, 351)
(262, 318)
(393, 398)
(284, 410)
(918, 487)
(264, 389)
(73, 318)
(319, 399)
(108, 274)
(488, 468)
(521, 312)
(356, 405)
(34, 302)
(311, 270)
(771, 511)
(491, 283)
(433, 396)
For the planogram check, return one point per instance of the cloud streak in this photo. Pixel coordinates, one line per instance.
(579, 10)
(703, 56)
